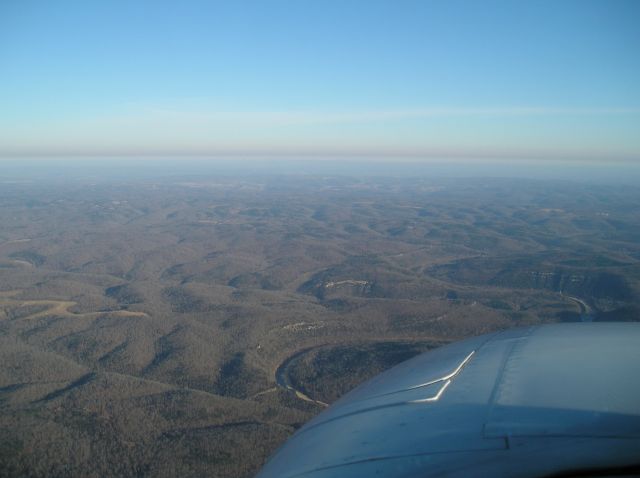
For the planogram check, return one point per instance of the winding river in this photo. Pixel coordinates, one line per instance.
(283, 380)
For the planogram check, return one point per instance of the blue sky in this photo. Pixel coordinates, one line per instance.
(422, 79)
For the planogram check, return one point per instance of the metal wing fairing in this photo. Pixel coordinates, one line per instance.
(524, 402)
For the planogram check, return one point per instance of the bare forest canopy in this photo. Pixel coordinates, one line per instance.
(187, 325)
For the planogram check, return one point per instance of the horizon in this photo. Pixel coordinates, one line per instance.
(118, 169)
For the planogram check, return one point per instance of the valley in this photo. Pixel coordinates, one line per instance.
(187, 325)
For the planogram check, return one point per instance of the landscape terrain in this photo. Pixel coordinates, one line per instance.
(169, 325)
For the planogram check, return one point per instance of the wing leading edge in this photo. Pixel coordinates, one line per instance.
(525, 403)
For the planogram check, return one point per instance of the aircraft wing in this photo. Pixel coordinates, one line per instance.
(553, 400)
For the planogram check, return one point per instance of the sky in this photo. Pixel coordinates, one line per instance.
(556, 80)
